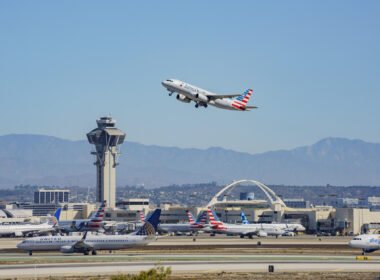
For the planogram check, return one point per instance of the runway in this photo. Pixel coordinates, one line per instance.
(184, 256)
(65, 265)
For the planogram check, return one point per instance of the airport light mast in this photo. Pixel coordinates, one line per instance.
(106, 138)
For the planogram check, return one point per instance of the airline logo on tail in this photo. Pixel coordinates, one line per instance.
(191, 217)
(214, 220)
(241, 101)
(244, 220)
(201, 221)
(150, 226)
(98, 217)
(142, 217)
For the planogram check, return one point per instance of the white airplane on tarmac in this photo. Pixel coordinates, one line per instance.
(202, 97)
(94, 223)
(85, 244)
(261, 230)
(367, 242)
(191, 226)
(25, 229)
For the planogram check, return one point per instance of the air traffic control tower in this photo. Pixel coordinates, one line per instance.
(106, 138)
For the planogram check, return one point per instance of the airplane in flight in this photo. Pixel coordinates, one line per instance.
(367, 242)
(94, 223)
(261, 230)
(88, 243)
(187, 93)
(25, 229)
(191, 226)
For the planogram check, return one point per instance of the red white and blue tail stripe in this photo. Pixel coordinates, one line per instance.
(96, 219)
(241, 101)
(142, 217)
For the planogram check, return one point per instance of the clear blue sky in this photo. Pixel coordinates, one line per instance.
(314, 66)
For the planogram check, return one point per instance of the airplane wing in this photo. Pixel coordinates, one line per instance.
(81, 244)
(213, 97)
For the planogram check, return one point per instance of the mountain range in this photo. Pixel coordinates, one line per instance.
(46, 160)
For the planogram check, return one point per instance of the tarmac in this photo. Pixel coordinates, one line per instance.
(228, 254)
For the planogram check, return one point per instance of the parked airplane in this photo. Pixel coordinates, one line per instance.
(85, 244)
(94, 223)
(25, 229)
(184, 227)
(283, 226)
(249, 230)
(367, 242)
(202, 97)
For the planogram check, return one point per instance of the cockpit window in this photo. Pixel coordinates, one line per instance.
(357, 238)
(170, 81)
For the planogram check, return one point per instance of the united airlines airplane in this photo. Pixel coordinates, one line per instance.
(25, 229)
(85, 244)
(367, 242)
(187, 93)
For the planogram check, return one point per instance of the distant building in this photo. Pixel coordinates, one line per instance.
(43, 196)
(347, 202)
(247, 196)
(134, 204)
(297, 203)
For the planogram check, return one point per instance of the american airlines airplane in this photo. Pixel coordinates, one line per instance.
(286, 227)
(186, 227)
(187, 93)
(87, 243)
(94, 223)
(367, 242)
(25, 229)
(243, 229)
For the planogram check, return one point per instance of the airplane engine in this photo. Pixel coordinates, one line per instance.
(262, 234)
(67, 249)
(183, 98)
(202, 98)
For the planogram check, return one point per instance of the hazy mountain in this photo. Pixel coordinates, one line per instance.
(37, 159)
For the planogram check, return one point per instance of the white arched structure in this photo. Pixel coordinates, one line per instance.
(271, 195)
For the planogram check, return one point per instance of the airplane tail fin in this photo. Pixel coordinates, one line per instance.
(97, 217)
(241, 101)
(244, 220)
(191, 217)
(142, 217)
(53, 220)
(214, 220)
(150, 226)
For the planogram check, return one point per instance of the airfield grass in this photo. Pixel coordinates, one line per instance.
(232, 275)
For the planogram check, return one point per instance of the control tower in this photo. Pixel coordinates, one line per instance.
(106, 138)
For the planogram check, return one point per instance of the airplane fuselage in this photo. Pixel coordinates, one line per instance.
(97, 242)
(367, 242)
(187, 93)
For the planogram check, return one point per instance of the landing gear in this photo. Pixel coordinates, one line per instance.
(205, 105)
(85, 253)
(171, 93)
(94, 253)
(241, 236)
(30, 253)
(196, 105)
(363, 253)
(250, 236)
